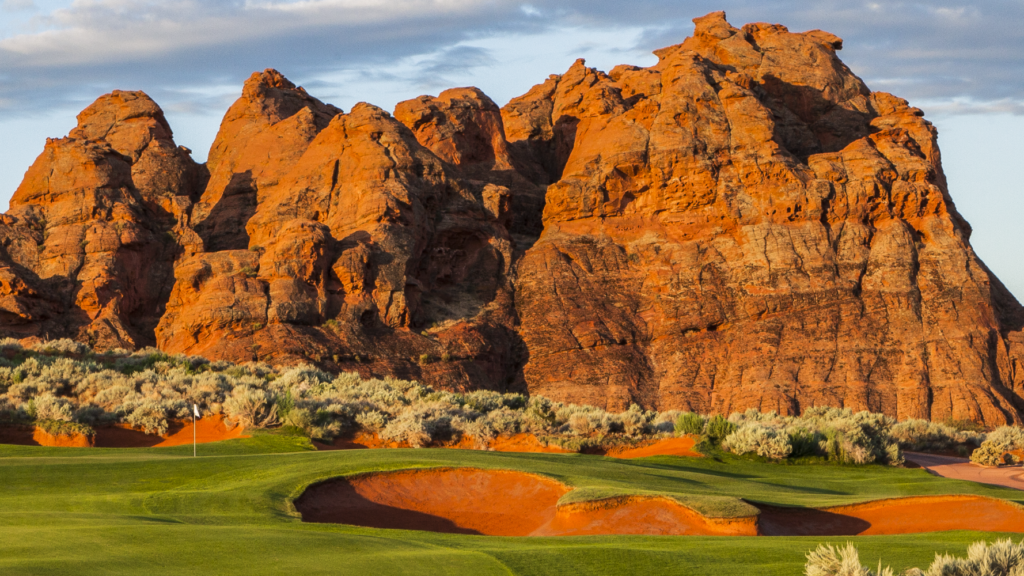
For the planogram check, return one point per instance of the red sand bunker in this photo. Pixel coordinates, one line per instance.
(896, 516)
(682, 446)
(209, 429)
(495, 503)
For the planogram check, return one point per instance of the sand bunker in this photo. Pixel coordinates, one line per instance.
(507, 503)
(208, 429)
(896, 516)
(682, 446)
(495, 503)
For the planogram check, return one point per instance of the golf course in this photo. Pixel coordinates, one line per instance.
(163, 511)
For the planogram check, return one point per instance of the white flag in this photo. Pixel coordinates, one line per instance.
(195, 410)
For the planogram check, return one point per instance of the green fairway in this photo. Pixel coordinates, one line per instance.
(160, 511)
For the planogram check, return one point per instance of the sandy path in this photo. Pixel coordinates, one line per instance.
(963, 469)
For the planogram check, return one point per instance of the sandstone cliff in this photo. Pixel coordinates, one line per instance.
(744, 224)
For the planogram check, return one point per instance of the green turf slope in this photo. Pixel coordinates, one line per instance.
(160, 511)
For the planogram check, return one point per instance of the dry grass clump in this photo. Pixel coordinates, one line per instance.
(827, 560)
(1001, 558)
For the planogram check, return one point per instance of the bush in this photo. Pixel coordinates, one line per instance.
(763, 440)
(689, 423)
(408, 428)
(65, 428)
(918, 435)
(53, 409)
(718, 428)
(251, 407)
(804, 442)
(996, 448)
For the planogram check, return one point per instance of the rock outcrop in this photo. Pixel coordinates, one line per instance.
(742, 225)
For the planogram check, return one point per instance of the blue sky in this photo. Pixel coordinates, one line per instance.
(962, 62)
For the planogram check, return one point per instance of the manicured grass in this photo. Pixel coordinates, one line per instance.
(160, 511)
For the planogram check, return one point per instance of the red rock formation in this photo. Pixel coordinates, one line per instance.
(88, 248)
(743, 225)
(746, 225)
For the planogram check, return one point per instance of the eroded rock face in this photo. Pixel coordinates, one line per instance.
(88, 242)
(743, 225)
(746, 225)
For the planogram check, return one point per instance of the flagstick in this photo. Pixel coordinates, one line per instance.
(193, 430)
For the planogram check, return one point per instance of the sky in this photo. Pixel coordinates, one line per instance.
(961, 62)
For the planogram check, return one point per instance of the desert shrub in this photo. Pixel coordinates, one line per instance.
(304, 379)
(89, 414)
(65, 428)
(480, 430)
(827, 560)
(718, 428)
(10, 344)
(251, 407)
(49, 407)
(372, 421)
(407, 428)
(636, 421)
(150, 417)
(760, 439)
(61, 346)
(665, 422)
(804, 442)
(689, 423)
(503, 421)
(916, 435)
(298, 417)
(997, 445)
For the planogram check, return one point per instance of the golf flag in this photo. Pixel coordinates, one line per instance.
(195, 410)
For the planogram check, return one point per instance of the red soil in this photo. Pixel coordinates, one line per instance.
(20, 435)
(32, 436)
(682, 446)
(208, 429)
(44, 438)
(495, 503)
(896, 516)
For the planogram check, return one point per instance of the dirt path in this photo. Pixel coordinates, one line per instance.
(963, 469)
